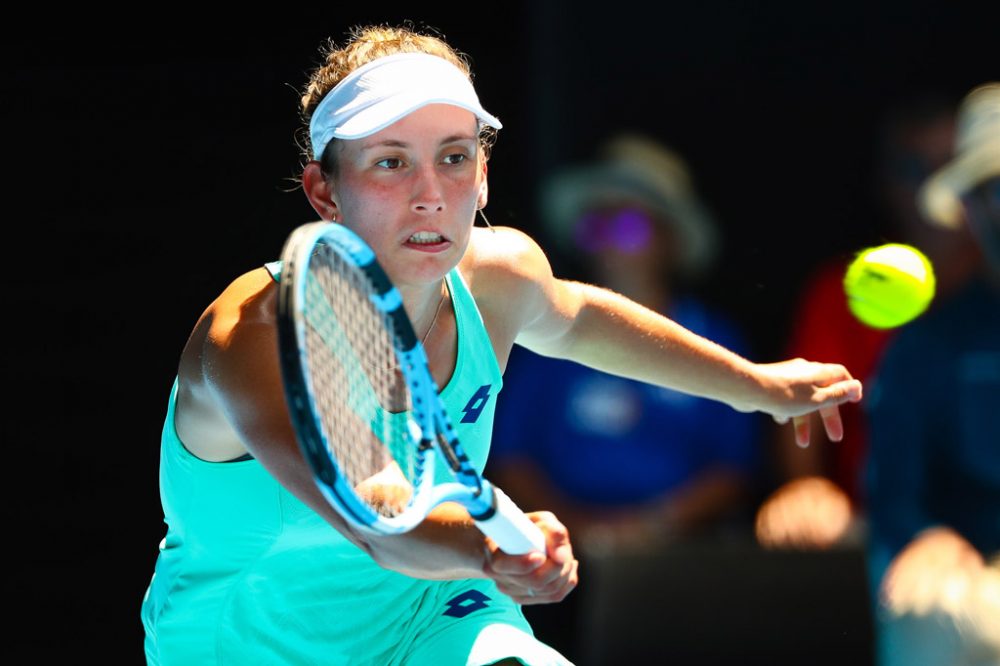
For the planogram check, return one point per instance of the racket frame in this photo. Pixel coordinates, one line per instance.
(494, 513)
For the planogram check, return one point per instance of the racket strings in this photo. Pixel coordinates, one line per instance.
(359, 390)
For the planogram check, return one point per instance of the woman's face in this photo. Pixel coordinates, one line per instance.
(412, 189)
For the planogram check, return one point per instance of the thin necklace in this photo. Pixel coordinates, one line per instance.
(396, 367)
(434, 320)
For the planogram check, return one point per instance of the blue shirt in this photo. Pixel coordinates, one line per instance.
(607, 440)
(935, 428)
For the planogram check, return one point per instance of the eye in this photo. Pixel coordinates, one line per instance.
(455, 158)
(389, 163)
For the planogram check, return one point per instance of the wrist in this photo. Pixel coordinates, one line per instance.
(752, 388)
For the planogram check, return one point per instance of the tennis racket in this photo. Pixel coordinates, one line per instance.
(364, 406)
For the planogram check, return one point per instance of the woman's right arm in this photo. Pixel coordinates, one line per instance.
(230, 396)
(235, 361)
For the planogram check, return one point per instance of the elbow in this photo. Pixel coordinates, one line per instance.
(557, 332)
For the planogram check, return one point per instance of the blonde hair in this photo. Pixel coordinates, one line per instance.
(366, 44)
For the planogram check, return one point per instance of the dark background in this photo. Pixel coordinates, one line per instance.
(153, 161)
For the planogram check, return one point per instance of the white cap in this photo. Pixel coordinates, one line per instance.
(377, 94)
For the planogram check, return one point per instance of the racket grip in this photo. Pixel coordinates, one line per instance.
(513, 531)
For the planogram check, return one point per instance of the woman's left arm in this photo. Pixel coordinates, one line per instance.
(611, 333)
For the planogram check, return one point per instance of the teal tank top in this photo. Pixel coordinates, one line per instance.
(249, 574)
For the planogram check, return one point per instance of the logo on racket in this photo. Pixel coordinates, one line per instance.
(476, 404)
(458, 607)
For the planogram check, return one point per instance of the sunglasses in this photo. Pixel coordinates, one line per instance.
(628, 230)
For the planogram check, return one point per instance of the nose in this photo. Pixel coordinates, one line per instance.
(428, 196)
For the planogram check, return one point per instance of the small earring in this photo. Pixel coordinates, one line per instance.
(483, 215)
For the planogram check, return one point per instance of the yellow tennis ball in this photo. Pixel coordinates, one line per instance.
(889, 285)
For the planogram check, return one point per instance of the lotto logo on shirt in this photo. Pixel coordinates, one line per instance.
(476, 404)
(467, 602)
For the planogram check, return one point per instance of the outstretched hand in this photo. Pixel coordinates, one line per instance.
(797, 388)
(536, 578)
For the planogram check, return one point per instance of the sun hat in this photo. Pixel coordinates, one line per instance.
(633, 169)
(977, 157)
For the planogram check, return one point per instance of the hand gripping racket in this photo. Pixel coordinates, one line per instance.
(364, 406)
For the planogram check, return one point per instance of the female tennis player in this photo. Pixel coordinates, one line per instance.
(256, 567)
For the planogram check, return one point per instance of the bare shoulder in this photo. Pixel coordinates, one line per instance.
(232, 339)
(511, 280)
(245, 308)
(504, 260)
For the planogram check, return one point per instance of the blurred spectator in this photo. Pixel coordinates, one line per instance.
(619, 461)
(934, 472)
(821, 502)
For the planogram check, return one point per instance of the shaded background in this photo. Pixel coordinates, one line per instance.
(153, 162)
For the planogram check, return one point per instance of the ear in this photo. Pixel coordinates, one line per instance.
(484, 191)
(319, 191)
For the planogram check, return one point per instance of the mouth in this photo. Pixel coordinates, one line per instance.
(425, 238)
(427, 241)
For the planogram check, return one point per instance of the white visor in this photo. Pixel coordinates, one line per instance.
(376, 95)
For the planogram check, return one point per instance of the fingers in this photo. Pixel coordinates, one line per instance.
(832, 423)
(533, 591)
(801, 426)
(536, 578)
(829, 412)
(821, 397)
(513, 566)
(810, 388)
(530, 583)
(849, 390)
(799, 387)
(557, 544)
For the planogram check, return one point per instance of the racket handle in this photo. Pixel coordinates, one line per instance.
(513, 531)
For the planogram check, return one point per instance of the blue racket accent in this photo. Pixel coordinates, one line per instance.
(388, 301)
(335, 303)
